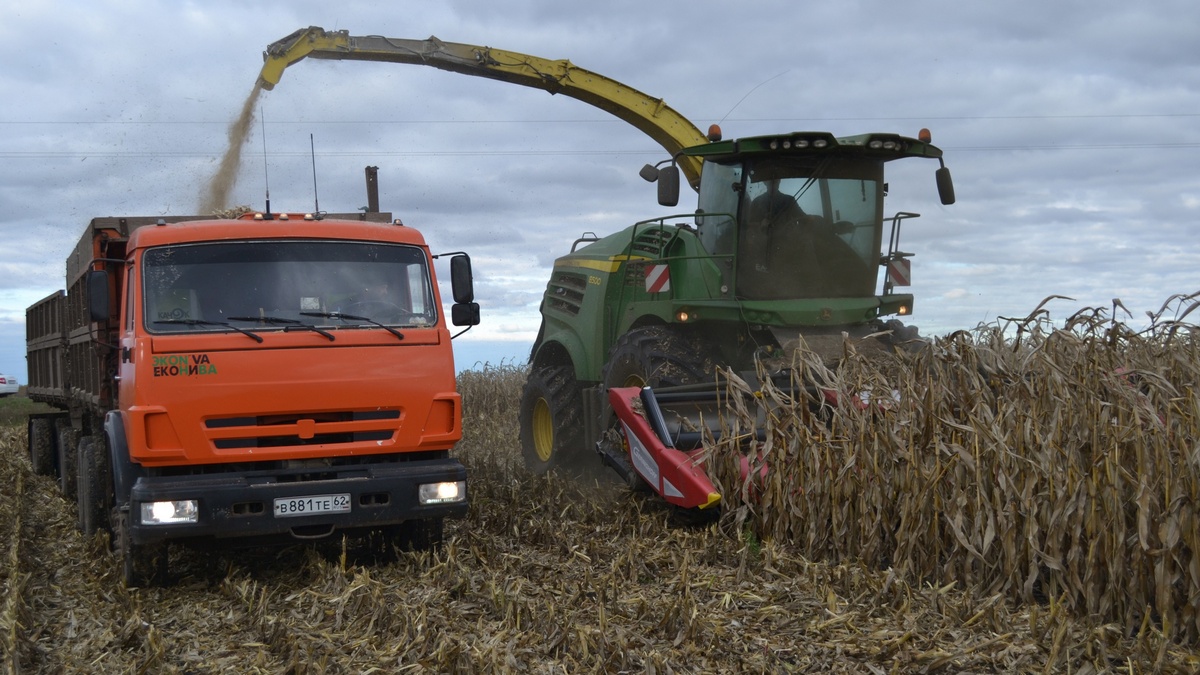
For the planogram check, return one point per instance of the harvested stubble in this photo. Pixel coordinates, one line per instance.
(545, 575)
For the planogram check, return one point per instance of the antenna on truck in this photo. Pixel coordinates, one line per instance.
(312, 149)
(266, 176)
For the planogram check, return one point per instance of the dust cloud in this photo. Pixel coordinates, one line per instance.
(215, 195)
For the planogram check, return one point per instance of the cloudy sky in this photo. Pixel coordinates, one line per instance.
(1072, 130)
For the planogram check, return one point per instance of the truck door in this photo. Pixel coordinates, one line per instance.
(128, 344)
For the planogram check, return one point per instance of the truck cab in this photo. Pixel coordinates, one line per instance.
(255, 380)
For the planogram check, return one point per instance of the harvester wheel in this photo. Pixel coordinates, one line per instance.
(41, 446)
(551, 418)
(659, 356)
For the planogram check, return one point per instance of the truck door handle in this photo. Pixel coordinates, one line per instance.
(126, 355)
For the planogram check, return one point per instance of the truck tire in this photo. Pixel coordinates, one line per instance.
(68, 465)
(41, 446)
(141, 566)
(659, 356)
(94, 485)
(421, 535)
(551, 419)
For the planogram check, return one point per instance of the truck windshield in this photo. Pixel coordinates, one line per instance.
(809, 228)
(269, 285)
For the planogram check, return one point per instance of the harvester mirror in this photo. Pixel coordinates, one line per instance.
(668, 185)
(461, 281)
(97, 295)
(945, 185)
(649, 173)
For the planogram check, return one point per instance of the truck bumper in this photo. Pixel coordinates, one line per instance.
(240, 506)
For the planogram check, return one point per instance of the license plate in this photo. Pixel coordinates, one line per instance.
(287, 507)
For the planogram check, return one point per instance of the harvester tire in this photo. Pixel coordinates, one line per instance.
(41, 446)
(659, 356)
(551, 419)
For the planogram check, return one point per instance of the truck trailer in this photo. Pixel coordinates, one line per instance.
(252, 380)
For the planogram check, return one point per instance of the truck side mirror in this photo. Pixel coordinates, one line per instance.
(461, 281)
(97, 295)
(465, 314)
(668, 185)
(945, 185)
(465, 311)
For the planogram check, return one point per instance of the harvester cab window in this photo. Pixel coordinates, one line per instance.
(809, 229)
(715, 224)
(271, 285)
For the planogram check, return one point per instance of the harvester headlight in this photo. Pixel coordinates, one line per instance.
(820, 143)
(170, 512)
(683, 316)
(787, 145)
(875, 144)
(904, 310)
(802, 143)
(774, 144)
(448, 492)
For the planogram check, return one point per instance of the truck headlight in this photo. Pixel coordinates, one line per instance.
(170, 513)
(442, 493)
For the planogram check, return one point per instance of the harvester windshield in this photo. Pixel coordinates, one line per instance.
(805, 228)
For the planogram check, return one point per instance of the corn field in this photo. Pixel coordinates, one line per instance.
(1017, 501)
(1020, 462)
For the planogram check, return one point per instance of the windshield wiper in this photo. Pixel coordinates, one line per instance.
(201, 322)
(288, 324)
(354, 317)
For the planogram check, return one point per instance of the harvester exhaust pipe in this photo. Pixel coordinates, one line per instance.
(372, 189)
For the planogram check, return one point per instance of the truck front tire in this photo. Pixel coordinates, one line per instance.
(421, 535)
(141, 566)
(94, 485)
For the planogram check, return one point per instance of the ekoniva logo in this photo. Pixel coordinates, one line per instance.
(183, 364)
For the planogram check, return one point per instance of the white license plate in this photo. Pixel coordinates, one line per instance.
(287, 507)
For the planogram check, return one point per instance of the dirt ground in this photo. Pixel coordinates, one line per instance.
(545, 575)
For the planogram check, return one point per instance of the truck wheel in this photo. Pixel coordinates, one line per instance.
(551, 419)
(421, 535)
(41, 446)
(94, 483)
(141, 566)
(68, 465)
(659, 356)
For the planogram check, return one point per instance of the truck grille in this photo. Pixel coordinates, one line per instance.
(323, 428)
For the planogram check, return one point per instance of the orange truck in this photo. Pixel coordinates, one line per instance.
(258, 380)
